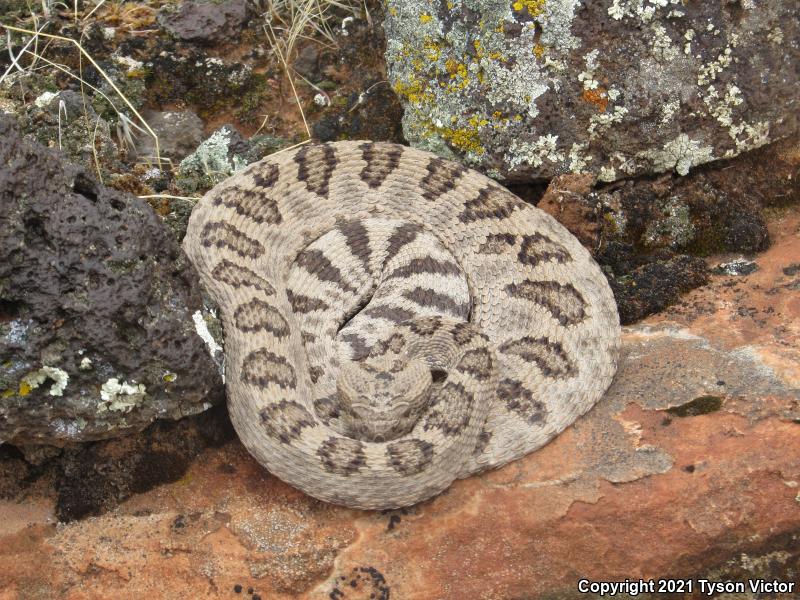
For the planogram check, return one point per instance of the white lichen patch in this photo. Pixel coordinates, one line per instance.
(680, 154)
(663, 47)
(44, 99)
(587, 77)
(211, 156)
(17, 332)
(721, 108)
(577, 159)
(59, 377)
(130, 64)
(534, 153)
(668, 110)
(601, 121)
(201, 328)
(121, 397)
(607, 173)
(85, 364)
(709, 72)
(644, 10)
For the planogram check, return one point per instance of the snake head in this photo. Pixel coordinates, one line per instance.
(381, 403)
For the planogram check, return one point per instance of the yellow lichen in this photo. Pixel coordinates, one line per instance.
(393, 11)
(463, 139)
(478, 48)
(24, 388)
(538, 51)
(414, 91)
(425, 18)
(534, 7)
(432, 49)
(7, 393)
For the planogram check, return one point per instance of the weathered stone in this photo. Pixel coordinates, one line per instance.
(179, 133)
(617, 88)
(96, 307)
(206, 21)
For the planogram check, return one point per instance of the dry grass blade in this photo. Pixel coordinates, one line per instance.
(87, 56)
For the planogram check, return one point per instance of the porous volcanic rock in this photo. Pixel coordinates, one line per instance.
(99, 308)
(206, 21)
(530, 89)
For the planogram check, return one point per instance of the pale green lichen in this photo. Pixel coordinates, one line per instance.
(680, 154)
(212, 162)
(674, 228)
(122, 397)
(33, 380)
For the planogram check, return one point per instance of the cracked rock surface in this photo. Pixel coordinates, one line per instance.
(96, 304)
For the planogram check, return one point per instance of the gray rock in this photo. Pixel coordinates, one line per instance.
(739, 266)
(97, 307)
(206, 21)
(530, 89)
(179, 133)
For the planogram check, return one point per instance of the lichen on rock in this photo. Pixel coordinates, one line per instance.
(530, 89)
(96, 304)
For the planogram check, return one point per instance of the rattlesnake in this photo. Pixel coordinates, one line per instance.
(394, 321)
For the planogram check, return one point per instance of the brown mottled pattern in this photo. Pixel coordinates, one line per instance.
(549, 356)
(497, 243)
(305, 304)
(258, 315)
(395, 314)
(238, 276)
(426, 265)
(409, 457)
(343, 456)
(450, 409)
(285, 420)
(224, 235)
(563, 301)
(262, 368)
(427, 297)
(382, 160)
(253, 204)
(316, 263)
(492, 202)
(477, 362)
(519, 399)
(405, 234)
(441, 178)
(265, 178)
(357, 239)
(538, 248)
(316, 165)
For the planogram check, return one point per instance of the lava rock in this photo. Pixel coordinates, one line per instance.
(99, 308)
(179, 133)
(654, 286)
(206, 22)
(618, 88)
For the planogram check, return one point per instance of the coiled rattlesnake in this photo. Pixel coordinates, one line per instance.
(394, 321)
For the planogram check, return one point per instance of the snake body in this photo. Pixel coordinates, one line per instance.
(394, 321)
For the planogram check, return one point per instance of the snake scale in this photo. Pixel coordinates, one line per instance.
(394, 321)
